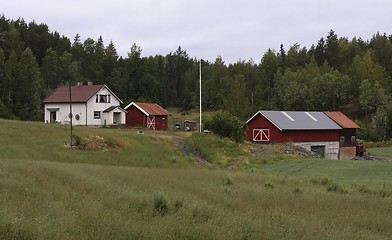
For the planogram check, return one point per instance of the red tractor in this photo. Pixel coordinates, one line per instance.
(360, 149)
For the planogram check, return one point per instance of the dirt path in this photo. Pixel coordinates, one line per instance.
(188, 150)
(183, 145)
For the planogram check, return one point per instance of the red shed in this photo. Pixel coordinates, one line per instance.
(348, 141)
(148, 115)
(312, 130)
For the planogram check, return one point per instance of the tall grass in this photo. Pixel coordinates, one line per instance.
(51, 200)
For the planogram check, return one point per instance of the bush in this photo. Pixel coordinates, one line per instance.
(226, 125)
(161, 205)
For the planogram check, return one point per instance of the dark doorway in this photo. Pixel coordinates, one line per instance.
(53, 117)
(319, 150)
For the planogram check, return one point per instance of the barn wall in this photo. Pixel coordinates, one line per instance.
(309, 136)
(260, 122)
(135, 117)
(348, 133)
(347, 153)
(161, 122)
(331, 148)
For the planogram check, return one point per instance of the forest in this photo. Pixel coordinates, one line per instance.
(334, 74)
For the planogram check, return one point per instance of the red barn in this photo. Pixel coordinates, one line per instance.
(148, 115)
(312, 130)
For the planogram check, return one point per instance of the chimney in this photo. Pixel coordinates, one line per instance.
(89, 83)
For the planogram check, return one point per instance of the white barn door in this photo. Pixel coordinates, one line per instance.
(261, 135)
(151, 122)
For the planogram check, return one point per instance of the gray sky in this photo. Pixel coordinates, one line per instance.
(206, 28)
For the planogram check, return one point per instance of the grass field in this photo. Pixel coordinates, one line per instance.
(146, 189)
(381, 151)
(371, 173)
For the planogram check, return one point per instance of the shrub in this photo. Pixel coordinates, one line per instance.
(178, 204)
(269, 185)
(297, 191)
(161, 205)
(226, 125)
(227, 182)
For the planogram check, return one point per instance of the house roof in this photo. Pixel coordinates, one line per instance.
(79, 94)
(148, 108)
(293, 120)
(342, 120)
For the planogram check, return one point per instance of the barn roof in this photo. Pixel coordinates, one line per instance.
(342, 120)
(148, 108)
(293, 120)
(79, 94)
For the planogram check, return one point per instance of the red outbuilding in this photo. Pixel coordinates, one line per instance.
(348, 134)
(314, 131)
(148, 115)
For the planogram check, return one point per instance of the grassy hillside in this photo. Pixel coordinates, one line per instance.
(38, 141)
(145, 189)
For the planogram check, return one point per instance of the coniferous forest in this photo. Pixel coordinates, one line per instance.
(335, 74)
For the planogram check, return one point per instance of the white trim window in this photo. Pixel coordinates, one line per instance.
(261, 135)
(102, 98)
(97, 115)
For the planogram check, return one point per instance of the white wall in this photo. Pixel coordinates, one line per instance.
(62, 113)
(92, 106)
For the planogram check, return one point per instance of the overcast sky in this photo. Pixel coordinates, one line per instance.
(241, 29)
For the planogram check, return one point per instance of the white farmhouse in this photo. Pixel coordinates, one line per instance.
(92, 105)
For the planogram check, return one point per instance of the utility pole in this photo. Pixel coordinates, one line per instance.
(70, 111)
(200, 126)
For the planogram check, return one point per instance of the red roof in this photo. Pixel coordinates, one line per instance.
(149, 108)
(79, 93)
(342, 120)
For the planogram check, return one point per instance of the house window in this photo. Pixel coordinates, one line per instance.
(353, 139)
(100, 98)
(342, 139)
(97, 115)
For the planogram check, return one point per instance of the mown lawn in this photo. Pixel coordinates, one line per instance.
(381, 151)
(371, 173)
(146, 189)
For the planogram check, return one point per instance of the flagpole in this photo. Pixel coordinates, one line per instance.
(200, 126)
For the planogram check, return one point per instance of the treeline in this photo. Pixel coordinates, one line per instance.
(349, 75)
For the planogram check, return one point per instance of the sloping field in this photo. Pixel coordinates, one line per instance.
(144, 188)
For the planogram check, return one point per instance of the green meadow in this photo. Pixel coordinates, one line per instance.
(143, 187)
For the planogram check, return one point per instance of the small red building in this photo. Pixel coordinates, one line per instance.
(148, 115)
(189, 125)
(348, 134)
(312, 130)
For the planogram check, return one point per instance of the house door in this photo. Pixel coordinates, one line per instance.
(151, 122)
(52, 117)
(116, 118)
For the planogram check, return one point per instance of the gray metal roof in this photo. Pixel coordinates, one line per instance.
(293, 120)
